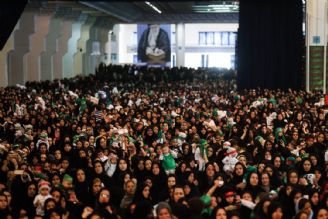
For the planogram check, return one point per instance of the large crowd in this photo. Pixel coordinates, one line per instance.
(134, 142)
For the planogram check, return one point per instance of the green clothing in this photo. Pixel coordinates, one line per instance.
(82, 102)
(206, 199)
(277, 131)
(273, 101)
(168, 162)
(202, 148)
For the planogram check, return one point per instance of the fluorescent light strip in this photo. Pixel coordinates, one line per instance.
(153, 7)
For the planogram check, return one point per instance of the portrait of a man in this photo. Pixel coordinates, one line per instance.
(154, 45)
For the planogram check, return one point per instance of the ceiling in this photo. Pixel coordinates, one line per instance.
(69, 10)
(143, 11)
(171, 11)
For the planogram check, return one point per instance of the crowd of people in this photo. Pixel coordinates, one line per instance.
(134, 142)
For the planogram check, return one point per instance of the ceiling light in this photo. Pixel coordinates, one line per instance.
(153, 7)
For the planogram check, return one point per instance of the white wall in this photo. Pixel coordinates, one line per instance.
(223, 60)
(193, 29)
(125, 39)
(317, 20)
(193, 60)
(220, 60)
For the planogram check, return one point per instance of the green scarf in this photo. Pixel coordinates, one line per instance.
(276, 135)
(202, 148)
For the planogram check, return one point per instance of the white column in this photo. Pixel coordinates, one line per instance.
(108, 49)
(325, 23)
(68, 58)
(180, 44)
(117, 47)
(316, 35)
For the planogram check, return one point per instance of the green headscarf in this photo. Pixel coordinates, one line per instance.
(202, 144)
(215, 112)
(276, 135)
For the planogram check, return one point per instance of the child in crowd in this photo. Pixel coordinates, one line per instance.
(44, 194)
(167, 158)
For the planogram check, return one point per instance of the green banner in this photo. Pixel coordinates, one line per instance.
(316, 67)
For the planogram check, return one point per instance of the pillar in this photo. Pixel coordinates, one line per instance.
(68, 58)
(90, 59)
(37, 47)
(105, 43)
(16, 63)
(9, 46)
(47, 60)
(62, 42)
(316, 45)
(81, 46)
(180, 44)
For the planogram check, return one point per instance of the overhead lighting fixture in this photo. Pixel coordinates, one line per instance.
(153, 7)
(216, 8)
